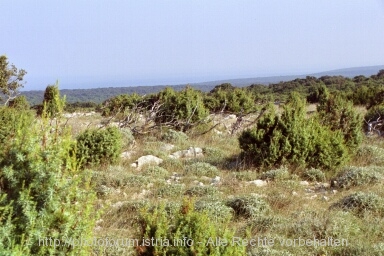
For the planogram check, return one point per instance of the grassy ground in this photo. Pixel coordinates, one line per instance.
(298, 211)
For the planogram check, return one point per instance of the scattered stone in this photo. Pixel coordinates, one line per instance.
(217, 132)
(167, 147)
(215, 181)
(140, 195)
(189, 153)
(127, 154)
(117, 204)
(325, 198)
(147, 160)
(294, 193)
(334, 191)
(313, 197)
(230, 117)
(258, 183)
(308, 190)
(304, 183)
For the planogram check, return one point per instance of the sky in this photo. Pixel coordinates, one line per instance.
(89, 44)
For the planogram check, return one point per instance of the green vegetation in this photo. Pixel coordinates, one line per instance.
(294, 139)
(272, 171)
(184, 228)
(10, 80)
(43, 194)
(95, 147)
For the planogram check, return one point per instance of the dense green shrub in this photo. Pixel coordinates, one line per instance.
(293, 139)
(120, 104)
(20, 102)
(96, 147)
(181, 109)
(339, 115)
(43, 194)
(11, 119)
(248, 206)
(230, 99)
(184, 225)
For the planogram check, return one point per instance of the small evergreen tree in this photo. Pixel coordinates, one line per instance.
(52, 102)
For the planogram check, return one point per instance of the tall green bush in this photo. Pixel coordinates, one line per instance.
(181, 109)
(44, 198)
(293, 139)
(338, 114)
(95, 147)
(53, 105)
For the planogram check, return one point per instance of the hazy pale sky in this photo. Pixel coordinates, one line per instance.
(125, 43)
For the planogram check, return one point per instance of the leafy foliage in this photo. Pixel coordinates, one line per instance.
(11, 119)
(292, 139)
(248, 206)
(181, 109)
(188, 231)
(20, 102)
(339, 114)
(95, 147)
(10, 79)
(53, 105)
(357, 176)
(361, 202)
(43, 194)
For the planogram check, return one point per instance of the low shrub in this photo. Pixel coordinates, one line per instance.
(361, 202)
(215, 209)
(185, 225)
(136, 180)
(202, 191)
(248, 206)
(357, 176)
(277, 174)
(96, 147)
(172, 136)
(202, 169)
(214, 156)
(156, 172)
(170, 190)
(370, 155)
(127, 138)
(314, 175)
